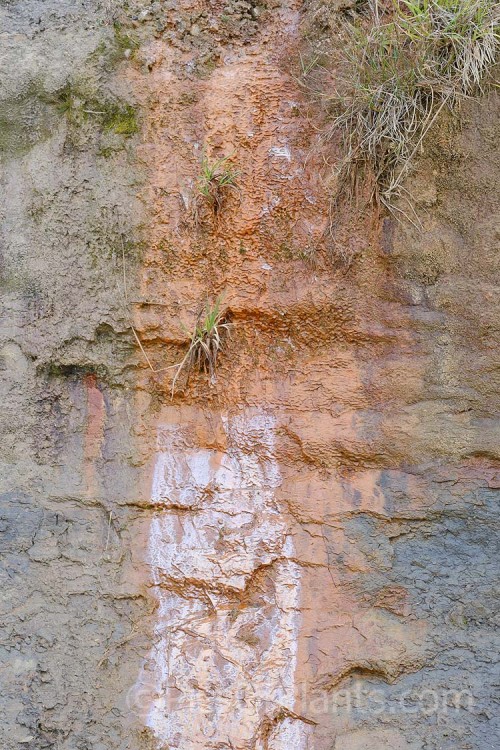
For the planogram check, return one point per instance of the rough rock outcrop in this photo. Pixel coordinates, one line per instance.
(302, 554)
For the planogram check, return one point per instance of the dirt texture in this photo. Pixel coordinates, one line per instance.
(300, 555)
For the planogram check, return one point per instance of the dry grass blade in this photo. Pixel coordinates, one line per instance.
(206, 343)
(396, 74)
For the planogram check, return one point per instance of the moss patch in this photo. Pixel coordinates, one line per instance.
(122, 120)
(82, 106)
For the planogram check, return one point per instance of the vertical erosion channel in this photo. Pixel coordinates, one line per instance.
(220, 552)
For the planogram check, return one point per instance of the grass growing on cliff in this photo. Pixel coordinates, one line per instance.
(217, 178)
(398, 70)
(206, 343)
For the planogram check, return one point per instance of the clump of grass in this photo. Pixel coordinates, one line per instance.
(207, 341)
(217, 178)
(70, 101)
(399, 69)
(65, 101)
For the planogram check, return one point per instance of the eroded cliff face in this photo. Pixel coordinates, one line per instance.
(300, 555)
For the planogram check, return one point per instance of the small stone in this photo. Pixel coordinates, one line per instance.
(150, 61)
(195, 30)
(127, 53)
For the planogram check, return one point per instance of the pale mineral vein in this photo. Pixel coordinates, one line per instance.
(217, 672)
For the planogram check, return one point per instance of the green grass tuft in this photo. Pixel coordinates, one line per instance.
(216, 179)
(207, 341)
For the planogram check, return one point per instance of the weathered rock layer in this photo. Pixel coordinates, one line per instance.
(301, 554)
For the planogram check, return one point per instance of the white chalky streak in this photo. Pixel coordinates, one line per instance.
(206, 683)
(281, 152)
